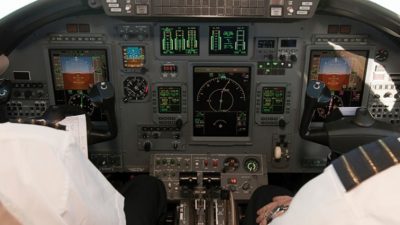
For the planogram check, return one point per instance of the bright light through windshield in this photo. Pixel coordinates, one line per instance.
(392, 5)
(13, 5)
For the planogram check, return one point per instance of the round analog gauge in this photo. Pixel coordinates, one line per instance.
(334, 103)
(382, 55)
(231, 164)
(135, 88)
(83, 102)
(221, 94)
(252, 165)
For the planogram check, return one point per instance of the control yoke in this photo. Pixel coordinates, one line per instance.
(346, 133)
(5, 94)
(103, 95)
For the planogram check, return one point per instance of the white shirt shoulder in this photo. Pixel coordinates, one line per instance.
(49, 181)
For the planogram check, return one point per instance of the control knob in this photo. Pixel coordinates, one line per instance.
(293, 58)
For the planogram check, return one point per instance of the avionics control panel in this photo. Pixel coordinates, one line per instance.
(238, 173)
(212, 8)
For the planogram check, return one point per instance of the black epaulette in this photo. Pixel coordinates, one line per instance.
(38, 122)
(366, 161)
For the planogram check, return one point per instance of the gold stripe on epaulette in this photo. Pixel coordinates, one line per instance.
(371, 164)
(389, 151)
(350, 171)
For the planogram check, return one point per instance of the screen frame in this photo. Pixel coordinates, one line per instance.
(222, 140)
(158, 99)
(222, 54)
(50, 69)
(173, 55)
(346, 111)
(124, 68)
(204, 40)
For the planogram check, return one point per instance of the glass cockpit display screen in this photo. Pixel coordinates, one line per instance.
(78, 69)
(169, 99)
(228, 40)
(221, 101)
(273, 100)
(73, 72)
(179, 40)
(133, 56)
(343, 71)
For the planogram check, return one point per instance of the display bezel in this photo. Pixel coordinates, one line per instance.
(197, 28)
(346, 111)
(143, 61)
(53, 51)
(159, 99)
(263, 100)
(217, 138)
(214, 53)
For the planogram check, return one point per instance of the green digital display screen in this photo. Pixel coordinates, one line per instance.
(169, 99)
(273, 100)
(228, 40)
(179, 40)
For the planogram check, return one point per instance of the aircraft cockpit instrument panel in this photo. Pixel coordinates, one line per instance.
(206, 77)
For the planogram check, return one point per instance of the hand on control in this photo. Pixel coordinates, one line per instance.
(274, 209)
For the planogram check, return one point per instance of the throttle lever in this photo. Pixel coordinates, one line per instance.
(5, 94)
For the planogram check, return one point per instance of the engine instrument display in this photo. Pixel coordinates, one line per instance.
(221, 101)
(179, 40)
(169, 99)
(228, 40)
(273, 100)
(133, 56)
(343, 71)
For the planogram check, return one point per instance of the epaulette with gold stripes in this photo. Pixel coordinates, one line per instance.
(366, 161)
(38, 122)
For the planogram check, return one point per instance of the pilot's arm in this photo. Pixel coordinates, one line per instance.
(46, 180)
(360, 187)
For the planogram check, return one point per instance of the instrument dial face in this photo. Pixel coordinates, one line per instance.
(83, 102)
(135, 88)
(252, 165)
(221, 94)
(382, 55)
(231, 164)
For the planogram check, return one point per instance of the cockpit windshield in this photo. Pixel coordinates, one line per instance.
(11, 6)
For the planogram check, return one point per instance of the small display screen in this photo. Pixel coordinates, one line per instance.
(133, 56)
(273, 100)
(343, 71)
(290, 43)
(78, 69)
(266, 43)
(179, 40)
(221, 101)
(169, 99)
(228, 40)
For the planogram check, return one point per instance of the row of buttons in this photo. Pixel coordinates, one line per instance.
(209, 11)
(212, 3)
(73, 38)
(160, 129)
